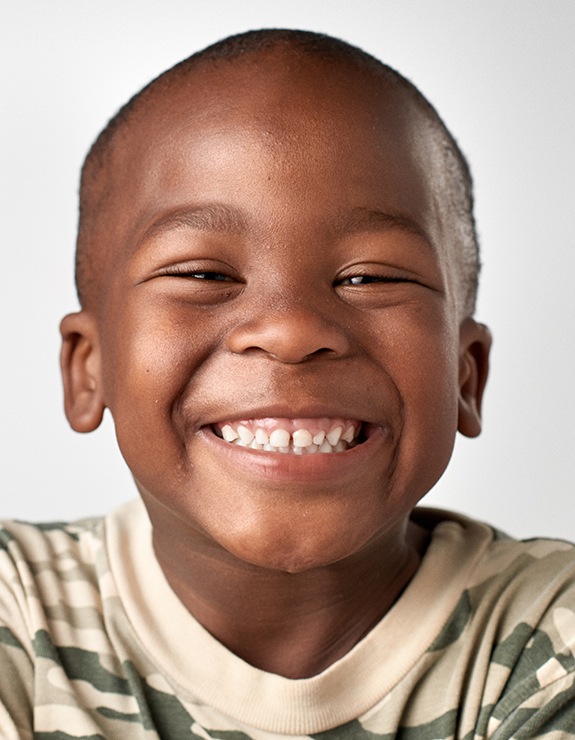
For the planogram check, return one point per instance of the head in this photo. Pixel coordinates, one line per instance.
(455, 172)
(278, 229)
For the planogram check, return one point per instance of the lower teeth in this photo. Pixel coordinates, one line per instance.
(325, 447)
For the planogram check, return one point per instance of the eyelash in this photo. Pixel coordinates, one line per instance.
(369, 279)
(208, 275)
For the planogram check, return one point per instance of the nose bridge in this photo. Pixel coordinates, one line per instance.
(291, 326)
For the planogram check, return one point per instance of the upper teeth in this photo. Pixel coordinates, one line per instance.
(300, 441)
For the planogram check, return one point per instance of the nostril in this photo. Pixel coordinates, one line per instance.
(296, 359)
(321, 352)
(290, 336)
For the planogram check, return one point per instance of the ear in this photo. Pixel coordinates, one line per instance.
(81, 371)
(474, 347)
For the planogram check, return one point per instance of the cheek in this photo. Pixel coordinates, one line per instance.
(425, 372)
(150, 354)
(148, 366)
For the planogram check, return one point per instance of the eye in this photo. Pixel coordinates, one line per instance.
(217, 276)
(201, 282)
(378, 286)
(366, 279)
(208, 275)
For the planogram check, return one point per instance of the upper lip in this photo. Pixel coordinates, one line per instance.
(283, 411)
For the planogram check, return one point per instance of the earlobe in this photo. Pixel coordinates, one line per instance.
(475, 344)
(81, 371)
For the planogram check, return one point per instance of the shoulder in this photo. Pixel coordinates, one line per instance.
(504, 580)
(42, 564)
(51, 571)
(60, 546)
(51, 559)
(38, 548)
(62, 628)
(498, 561)
(515, 625)
(44, 569)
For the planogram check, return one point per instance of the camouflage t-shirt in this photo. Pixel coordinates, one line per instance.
(94, 644)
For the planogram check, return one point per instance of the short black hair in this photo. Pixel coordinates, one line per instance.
(328, 48)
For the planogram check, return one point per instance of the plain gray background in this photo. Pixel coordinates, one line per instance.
(500, 72)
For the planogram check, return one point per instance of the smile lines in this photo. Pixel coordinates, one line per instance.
(290, 437)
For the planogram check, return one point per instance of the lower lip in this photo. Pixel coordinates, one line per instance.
(277, 466)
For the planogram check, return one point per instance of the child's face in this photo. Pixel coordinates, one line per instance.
(280, 250)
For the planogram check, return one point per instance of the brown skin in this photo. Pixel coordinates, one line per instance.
(319, 176)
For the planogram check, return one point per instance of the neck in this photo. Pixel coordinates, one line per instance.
(294, 625)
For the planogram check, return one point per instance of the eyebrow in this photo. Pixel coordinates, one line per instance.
(371, 219)
(207, 217)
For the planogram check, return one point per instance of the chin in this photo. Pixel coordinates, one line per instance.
(295, 552)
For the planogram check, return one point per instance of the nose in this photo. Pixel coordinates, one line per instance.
(290, 335)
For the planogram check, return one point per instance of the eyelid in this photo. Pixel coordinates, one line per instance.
(374, 275)
(205, 268)
(374, 279)
(214, 276)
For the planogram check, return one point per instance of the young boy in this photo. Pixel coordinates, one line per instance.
(277, 267)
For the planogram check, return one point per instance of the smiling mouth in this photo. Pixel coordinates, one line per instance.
(292, 436)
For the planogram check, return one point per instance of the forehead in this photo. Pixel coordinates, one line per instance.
(273, 133)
